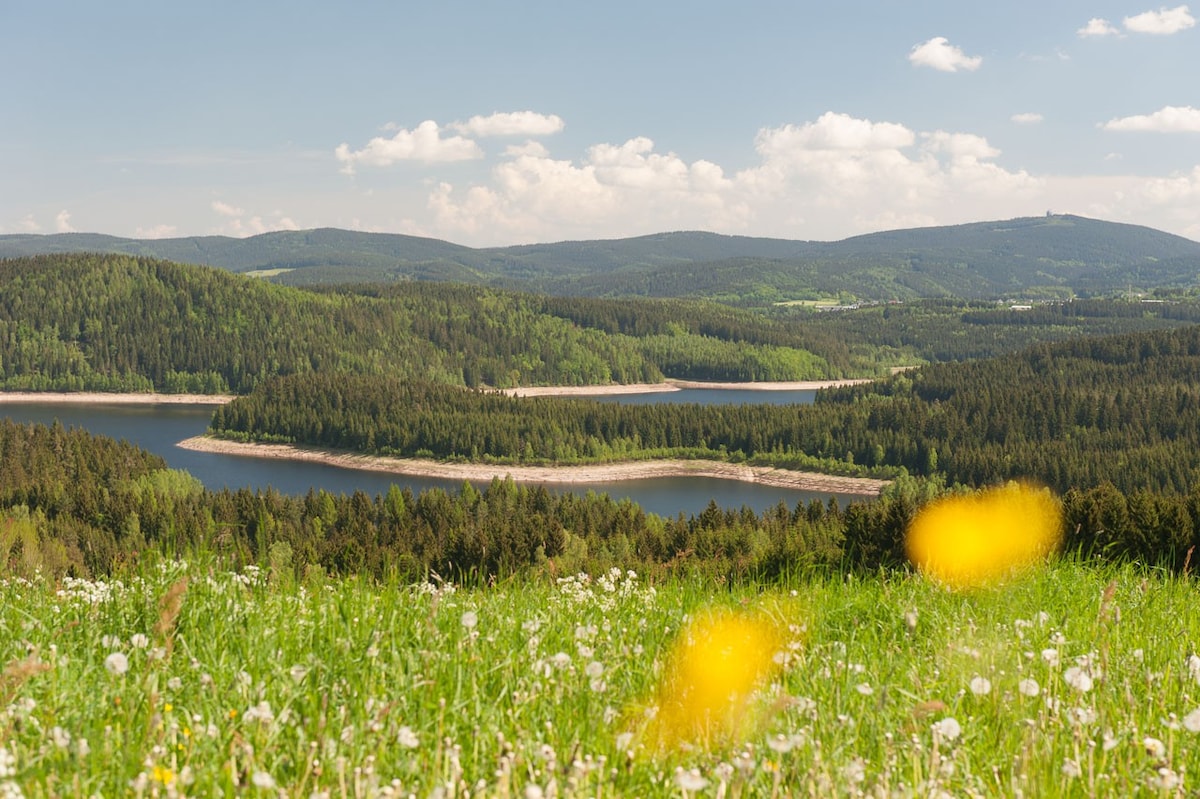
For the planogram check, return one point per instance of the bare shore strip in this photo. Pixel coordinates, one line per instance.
(570, 475)
(672, 385)
(104, 398)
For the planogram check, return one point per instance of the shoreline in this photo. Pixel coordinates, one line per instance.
(566, 475)
(153, 398)
(104, 398)
(675, 385)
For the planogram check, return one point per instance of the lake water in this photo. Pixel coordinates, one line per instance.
(158, 428)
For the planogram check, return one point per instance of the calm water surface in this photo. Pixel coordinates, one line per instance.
(158, 428)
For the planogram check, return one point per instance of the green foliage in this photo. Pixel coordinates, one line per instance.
(1054, 257)
(116, 323)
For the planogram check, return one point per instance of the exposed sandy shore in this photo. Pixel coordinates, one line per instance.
(104, 398)
(101, 398)
(672, 385)
(594, 473)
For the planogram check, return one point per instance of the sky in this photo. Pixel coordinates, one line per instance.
(501, 122)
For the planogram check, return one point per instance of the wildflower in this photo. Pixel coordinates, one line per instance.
(785, 743)
(263, 781)
(981, 686)
(690, 780)
(864, 688)
(1166, 779)
(261, 712)
(947, 729)
(711, 678)
(139, 641)
(407, 738)
(1078, 679)
(1028, 687)
(1154, 747)
(1050, 656)
(469, 619)
(1191, 722)
(1071, 769)
(117, 663)
(60, 737)
(966, 541)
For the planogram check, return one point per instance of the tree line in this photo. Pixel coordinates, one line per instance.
(76, 504)
(1074, 414)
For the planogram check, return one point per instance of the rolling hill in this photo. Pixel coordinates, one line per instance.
(1051, 256)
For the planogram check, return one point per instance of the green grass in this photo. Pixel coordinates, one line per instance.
(240, 684)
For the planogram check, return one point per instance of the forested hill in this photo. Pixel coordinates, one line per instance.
(119, 323)
(1052, 256)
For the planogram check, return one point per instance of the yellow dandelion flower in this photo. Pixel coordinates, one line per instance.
(162, 775)
(707, 696)
(976, 539)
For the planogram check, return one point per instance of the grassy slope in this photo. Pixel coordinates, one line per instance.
(347, 687)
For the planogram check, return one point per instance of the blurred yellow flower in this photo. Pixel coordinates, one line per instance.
(707, 696)
(977, 539)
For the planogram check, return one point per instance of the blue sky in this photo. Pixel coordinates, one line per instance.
(492, 123)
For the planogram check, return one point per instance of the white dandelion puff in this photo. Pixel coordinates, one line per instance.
(407, 738)
(117, 663)
(947, 729)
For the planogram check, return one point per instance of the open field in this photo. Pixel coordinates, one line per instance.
(187, 678)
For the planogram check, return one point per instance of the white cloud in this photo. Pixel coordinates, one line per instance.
(156, 232)
(824, 179)
(225, 209)
(517, 123)
(1170, 119)
(424, 143)
(1027, 118)
(1098, 26)
(833, 131)
(1163, 22)
(534, 148)
(29, 225)
(62, 222)
(939, 54)
(237, 223)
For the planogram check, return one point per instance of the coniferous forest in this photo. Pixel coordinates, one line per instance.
(1109, 422)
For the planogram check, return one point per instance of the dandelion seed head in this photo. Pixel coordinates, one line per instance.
(1191, 722)
(117, 663)
(407, 738)
(1154, 747)
(263, 781)
(690, 780)
(469, 619)
(947, 729)
(977, 539)
(980, 686)
(1078, 679)
(1029, 687)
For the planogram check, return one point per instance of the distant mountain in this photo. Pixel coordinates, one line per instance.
(1030, 257)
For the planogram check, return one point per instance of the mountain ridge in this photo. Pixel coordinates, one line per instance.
(1049, 255)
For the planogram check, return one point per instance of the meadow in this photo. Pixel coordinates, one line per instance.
(185, 678)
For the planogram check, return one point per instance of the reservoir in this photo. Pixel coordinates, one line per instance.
(158, 428)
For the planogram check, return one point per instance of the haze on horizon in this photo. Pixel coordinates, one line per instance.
(486, 125)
